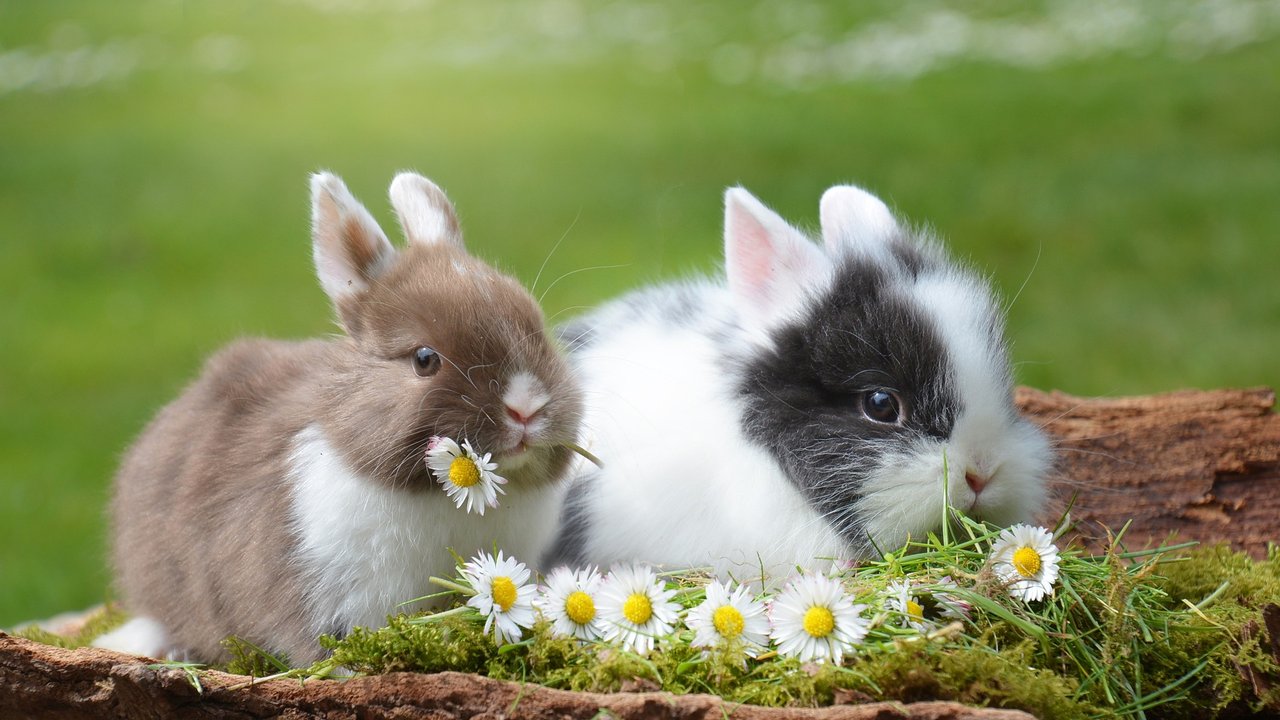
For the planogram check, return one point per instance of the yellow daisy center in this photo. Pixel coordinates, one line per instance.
(1026, 561)
(504, 592)
(728, 621)
(819, 622)
(580, 607)
(637, 608)
(915, 611)
(463, 472)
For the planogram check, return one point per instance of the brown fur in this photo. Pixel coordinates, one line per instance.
(202, 535)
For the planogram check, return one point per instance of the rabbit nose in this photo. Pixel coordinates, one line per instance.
(524, 398)
(522, 416)
(976, 482)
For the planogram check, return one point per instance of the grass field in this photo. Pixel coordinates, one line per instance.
(1119, 163)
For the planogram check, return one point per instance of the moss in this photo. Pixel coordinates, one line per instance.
(249, 659)
(1122, 635)
(1199, 573)
(1225, 634)
(450, 643)
(977, 676)
(1115, 639)
(104, 620)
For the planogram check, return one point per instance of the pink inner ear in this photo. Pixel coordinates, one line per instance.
(769, 265)
(751, 259)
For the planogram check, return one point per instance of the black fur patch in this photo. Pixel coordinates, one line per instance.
(803, 401)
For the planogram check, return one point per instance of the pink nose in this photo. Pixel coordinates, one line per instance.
(976, 481)
(519, 416)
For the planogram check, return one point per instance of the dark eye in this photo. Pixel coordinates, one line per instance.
(426, 362)
(882, 406)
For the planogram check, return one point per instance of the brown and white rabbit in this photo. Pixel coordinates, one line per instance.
(284, 494)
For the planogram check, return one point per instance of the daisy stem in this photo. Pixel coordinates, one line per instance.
(425, 619)
(584, 453)
(259, 680)
(946, 500)
(451, 585)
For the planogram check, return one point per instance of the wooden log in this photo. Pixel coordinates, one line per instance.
(1198, 465)
(39, 681)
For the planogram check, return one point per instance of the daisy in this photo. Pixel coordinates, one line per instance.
(814, 619)
(729, 616)
(922, 607)
(569, 601)
(636, 608)
(466, 477)
(1026, 559)
(907, 604)
(946, 604)
(502, 595)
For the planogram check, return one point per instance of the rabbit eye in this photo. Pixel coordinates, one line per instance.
(426, 362)
(882, 406)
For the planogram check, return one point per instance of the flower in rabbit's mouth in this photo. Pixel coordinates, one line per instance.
(503, 595)
(1026, 559)
(467, 477)
(815, 619)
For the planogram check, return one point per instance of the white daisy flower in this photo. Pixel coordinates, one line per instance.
(466, 477)
(946, 604)
(1026, 559)
(814, 619)
(636, 607)
(729, 616)
(569, 601)
(503, 595)
(904, 600)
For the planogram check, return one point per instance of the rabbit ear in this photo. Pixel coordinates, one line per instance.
(350, 249)
(854, 218)
(770, 266)
(425, 212)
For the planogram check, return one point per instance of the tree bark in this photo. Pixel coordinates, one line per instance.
(1198, 465)
(39, 681)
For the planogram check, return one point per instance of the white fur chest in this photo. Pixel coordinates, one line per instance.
(363, 549)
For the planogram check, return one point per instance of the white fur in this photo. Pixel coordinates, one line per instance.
(525, 394)
(424, 210)
(853, 217)
(770, 267)
(139, 636)
(364, 548)
(332, 207)
(681, 484)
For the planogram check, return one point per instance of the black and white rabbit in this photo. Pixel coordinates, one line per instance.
(802, 407)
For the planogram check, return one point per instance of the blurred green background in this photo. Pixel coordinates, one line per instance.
(1119, 159)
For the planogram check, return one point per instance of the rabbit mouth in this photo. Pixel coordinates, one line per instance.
(516, 456)
(527, 455)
